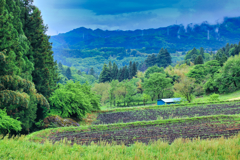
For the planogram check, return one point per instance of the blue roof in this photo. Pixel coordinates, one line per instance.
(168, 100)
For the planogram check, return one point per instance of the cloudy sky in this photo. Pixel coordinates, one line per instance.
(65, 15)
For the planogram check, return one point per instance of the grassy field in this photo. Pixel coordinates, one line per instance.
(182, 131)
(223, 97)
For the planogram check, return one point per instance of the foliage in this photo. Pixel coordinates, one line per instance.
(214, 97)
(154, 69)
(185, 87)
(156, 85)
(102, 89)
(145, 98)
(73, 100)
(7, 123)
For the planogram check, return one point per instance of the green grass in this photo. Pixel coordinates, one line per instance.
(181, 149)
(222, 97)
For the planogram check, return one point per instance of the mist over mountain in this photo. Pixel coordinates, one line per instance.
(174, 37)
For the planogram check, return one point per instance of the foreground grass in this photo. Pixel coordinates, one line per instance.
(19, 148)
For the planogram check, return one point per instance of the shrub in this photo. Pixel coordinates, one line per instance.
(214, 97)
(73, 100)
(7, 123)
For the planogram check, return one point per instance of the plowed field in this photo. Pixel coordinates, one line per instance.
(203, 128)
(168, 113)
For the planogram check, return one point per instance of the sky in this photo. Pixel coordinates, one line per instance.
(62, 16)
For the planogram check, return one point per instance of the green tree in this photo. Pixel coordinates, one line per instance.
(198, 60)
(145, 98)
(7, 124)
(112, 92)
(163, 58)
(73, 100)
(154, 69)
(115, 71)
(105, 74)
(45, 75)
(79, 72)
(134, 69)
(185, 87)
(126, 72)
(17, 93)
(68, 73)
(92, 72)
(156, 85)
(202, 52)
(230, 75)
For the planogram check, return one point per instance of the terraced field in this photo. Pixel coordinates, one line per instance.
(168, 113)
(128, 127)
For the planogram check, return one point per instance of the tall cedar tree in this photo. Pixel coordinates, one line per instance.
(110, 70)
(134, 69)
(68, 73)
(105, 74)
(17, 95)
(45, 75)
(130, 70)
(119, 75)
(202, 52)
(114, 71)
(126, 72)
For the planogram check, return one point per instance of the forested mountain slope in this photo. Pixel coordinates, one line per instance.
(176, 37)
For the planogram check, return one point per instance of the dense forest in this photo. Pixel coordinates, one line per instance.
(34, 87)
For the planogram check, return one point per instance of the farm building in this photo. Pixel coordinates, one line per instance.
(168, 101)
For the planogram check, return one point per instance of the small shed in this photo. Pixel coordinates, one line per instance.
(168, 101)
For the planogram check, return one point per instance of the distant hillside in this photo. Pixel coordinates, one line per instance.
(175, 37)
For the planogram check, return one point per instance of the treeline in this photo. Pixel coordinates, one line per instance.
(111, 72)
(29, 75)
(199, 56)
(162, 59)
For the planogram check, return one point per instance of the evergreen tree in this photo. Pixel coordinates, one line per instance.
(114, 71)
(202, 52)
(130, 70)
(92, 72)
(223, 59)
(151, 60)
(119, 75)
(126, 73)
(168, 58)
(110, 70)
(45, 75)
(79, 72)
(160, 57)
(198, 60)
(68, 73)
(105, 74)
(134, 69)
(163, 58)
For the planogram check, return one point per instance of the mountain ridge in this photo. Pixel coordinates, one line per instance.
(177, 37)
